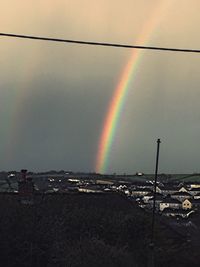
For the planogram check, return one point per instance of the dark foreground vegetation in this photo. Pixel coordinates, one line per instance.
(83, 230)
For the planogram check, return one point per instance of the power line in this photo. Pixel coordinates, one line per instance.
(80, 42)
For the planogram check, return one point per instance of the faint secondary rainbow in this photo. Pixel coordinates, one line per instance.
(23, 82)
(28, 66)
(119, 96)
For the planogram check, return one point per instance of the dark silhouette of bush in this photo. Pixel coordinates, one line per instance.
(86, 230)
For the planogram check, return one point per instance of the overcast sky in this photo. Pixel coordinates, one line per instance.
(54, 97)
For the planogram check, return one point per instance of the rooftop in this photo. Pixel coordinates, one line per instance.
(171, 200)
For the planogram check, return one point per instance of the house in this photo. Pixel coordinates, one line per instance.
(177, 213)
(147, 197)
(187, 204)
(193, 185)
(181, 196)
(170, 203)
(142, 184)
(127, 192)
(183, 189)
(166, 190)
(197, 196)
(140, 192)
(90, 189)
(158, 200)
(158, 189)
(194, 191)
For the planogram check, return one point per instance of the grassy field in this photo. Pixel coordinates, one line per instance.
(167, 177)
(186, 177)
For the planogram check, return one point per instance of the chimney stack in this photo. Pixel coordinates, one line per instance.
(23, 174)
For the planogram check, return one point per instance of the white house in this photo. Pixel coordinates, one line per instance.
(140, 192)
(183, 189)
(187, 204)
(197, 196)
(170, 203)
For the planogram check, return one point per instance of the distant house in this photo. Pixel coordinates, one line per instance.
(142, 184)
(170, 203)
(177, 213)
(183, 189)
(197, 196)
(104, 182)
(166, 190)
(90, 189)
(150, 195)
(158, 200)
(121, 187)
(140, 192)
(193, 185)
(127, 192)
(147, 197)
(181, 196)
(158, 189)
(187, 204)
(194, 191)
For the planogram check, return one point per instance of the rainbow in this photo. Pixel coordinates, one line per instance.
(120, 92)
(23, 81)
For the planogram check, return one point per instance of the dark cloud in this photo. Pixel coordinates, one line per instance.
(54, 98)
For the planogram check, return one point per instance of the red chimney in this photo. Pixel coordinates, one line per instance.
(23, 175)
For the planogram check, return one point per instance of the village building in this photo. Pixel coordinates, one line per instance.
(166, 190)
(194, 191)
(183, 189)
(147, 197)
(177, 213)
(193, 185)
(158, 200)
(140, 192)
(90, 189)
(158, 189)
(187, 204)
(181, 196)
(142, 185)
(170, 203)
(197, 196)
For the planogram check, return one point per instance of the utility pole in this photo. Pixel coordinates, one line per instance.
(152, 245)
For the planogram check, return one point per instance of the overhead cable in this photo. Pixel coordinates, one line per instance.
(80, 42)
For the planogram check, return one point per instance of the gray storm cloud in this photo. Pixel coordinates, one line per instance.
(58, 95)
